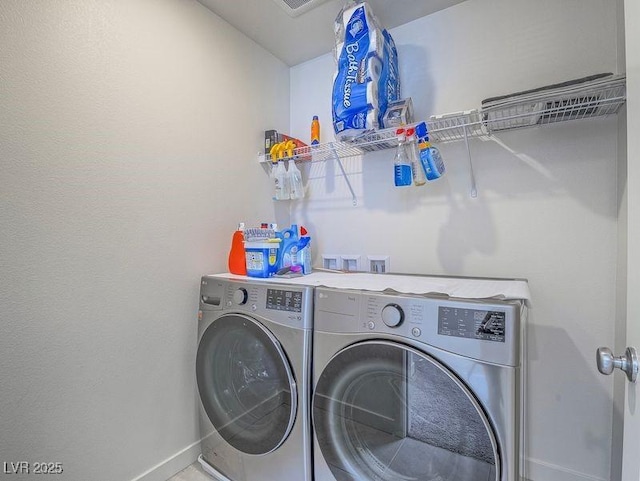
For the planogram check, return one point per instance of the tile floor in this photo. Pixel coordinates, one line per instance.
(193, 472)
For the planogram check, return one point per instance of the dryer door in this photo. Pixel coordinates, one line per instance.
(387, 412)
(246, 384)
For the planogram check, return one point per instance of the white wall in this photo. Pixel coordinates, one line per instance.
(547, 206)
(128, 132)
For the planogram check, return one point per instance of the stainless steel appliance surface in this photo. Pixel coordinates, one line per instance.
(253, 374)
(415, 388)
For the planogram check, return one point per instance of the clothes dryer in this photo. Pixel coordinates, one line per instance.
(408, 387)
(253, 376)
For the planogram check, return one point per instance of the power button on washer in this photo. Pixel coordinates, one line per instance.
(416, 332)
(371, 325)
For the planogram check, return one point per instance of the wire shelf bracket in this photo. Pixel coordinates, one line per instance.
(354, 199)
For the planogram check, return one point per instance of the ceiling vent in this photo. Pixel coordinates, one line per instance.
(295, 8)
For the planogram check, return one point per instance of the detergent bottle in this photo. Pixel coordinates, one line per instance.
(237, 259)
(282, 182)
(295, 181)
(288, 246)
(294, 176)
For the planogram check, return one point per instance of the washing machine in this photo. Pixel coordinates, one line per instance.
(253, 376)
(409, 387)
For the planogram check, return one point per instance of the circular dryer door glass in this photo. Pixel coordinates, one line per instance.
(386, 412)
(246, 384)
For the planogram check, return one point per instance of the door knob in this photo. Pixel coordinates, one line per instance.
(628, 363)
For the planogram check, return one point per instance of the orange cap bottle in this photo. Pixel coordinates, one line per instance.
(237, 257)
(315, 131)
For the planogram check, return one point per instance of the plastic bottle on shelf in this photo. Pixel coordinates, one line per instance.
(295, 181)
(237, 258)
(412, 150)
(315, 131)
(401, 162)
(430, 157)
(281, 181)
(273, 168)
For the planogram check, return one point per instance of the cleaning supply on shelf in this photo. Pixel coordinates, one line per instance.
(281, 181)
(401, 163)
(430, 157)
(294, 176)
(270, 139)
(295, 181)
(297, 143)
(412, 150)
(288, 149)
(315, 131)
(237, 257)
(273, 153)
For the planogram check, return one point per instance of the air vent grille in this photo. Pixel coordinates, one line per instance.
(294, 8)
(295, 4)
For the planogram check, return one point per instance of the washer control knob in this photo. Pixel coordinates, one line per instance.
(392, 315)
(240, 296)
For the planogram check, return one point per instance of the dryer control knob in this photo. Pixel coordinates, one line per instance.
(392, 315)
(240, 296)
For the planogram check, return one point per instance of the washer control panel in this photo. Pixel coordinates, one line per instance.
(284, 300)
(280, 303)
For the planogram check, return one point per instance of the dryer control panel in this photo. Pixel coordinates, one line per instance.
(488, 325)
(485, 330)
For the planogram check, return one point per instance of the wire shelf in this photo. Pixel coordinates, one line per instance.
(592, 99)
(597, 98)
(366, 142)
(443, 129)
(454, 127)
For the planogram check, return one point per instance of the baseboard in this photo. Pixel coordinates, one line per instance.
(541, 471)
(536, 470)
(170, 466)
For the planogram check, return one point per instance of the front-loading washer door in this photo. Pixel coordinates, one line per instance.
(246, 384)
(383, 411)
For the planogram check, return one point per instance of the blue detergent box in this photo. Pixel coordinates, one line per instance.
(262, 258)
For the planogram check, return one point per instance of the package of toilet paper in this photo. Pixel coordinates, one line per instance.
(389, 82)
(366, 78)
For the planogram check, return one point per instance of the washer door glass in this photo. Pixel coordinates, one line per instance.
(246, 384)
(386, 412)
